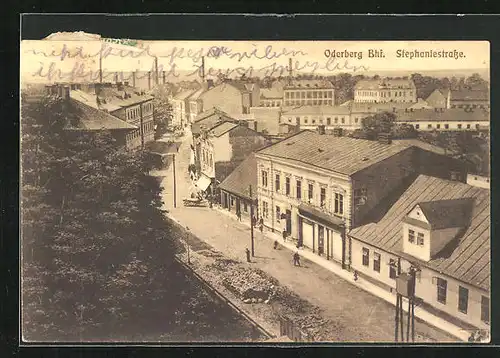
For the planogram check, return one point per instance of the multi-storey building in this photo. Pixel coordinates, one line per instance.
(271, 97)
(220, 144)
(233, 97)
(119, 101)
(327, 185)
(460, 98)
(441, 228)
(180, 108)
(440, 119)
(310, 117)
(385, 90)
(308, 93)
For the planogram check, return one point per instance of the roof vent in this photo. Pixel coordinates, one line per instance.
(290, 143)
(320, 150)
(365, 159)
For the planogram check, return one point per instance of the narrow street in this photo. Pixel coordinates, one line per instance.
(363, 317)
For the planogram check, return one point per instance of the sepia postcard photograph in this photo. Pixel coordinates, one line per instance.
(254, 191)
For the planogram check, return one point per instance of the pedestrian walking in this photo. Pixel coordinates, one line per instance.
(247, 251)
(261, 224)
(296, 259)
(254, 221)
(275, 244)
(238, 214)
(284, 235)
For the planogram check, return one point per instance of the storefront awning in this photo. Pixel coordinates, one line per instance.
(203, 183)
(317, 215)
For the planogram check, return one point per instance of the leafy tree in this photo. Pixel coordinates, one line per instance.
(382, 122)
(404, 131)
(162, 109)
(475, 80)
(94, 236)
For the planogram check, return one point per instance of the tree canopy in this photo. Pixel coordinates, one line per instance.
(92, 227)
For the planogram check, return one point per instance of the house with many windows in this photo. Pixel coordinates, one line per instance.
(298, 92)
(385, 90)
(310, 117)
(326, 185)
(126, 104)
(440, 119)
(442, 228)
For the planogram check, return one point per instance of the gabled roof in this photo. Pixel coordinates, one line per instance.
(239, 181)
(223, 128)
(87, 118)
(469, 95)
(446, 115)
(469, 259)
(444, 214)
(337, 154)
(183, 95)
(210, 119)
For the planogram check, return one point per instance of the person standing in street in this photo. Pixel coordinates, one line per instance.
(261, 224)
(296, 259)
(247, 252)
(238, 214)
(284, 235)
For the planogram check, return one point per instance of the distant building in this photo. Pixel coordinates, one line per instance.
(271, 97)
(235, 189)
(220, 144)
(466, 97)
(266, 119)
(125, 103)
(385, 90)
(327, 185)
(466, 119)
(310, 117)
(441, 228)
(308, 93)
(180, 108)
(231, 96)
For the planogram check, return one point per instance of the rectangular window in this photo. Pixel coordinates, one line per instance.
(310, 192)
(468, 126)
(463, 299)
(420, 239)
(417, 126)
(429, 126)
(339, 204)
(264, 179)
(299, 189)
(366, 256)
(392, 269)
(459, 126)
(265, 209)
(376, 262)
(441, 290)
(278, 213)
(485, 309)
(411, 236)
(446, 126)
(322, 197)
(328, 121)
(277, 183)
(287, 186)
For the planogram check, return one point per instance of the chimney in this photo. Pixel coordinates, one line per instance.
(164, 74)
(133, 79)
(149, 80)
(385, 138)
(65, 93)
(321, 129)
(290, 67)
(202, 69)
(255, 126)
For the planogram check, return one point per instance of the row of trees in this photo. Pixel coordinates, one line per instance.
(94, 238)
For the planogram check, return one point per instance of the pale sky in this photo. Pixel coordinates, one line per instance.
(38, 56)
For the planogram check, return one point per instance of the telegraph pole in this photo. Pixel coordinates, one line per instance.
(251, 221)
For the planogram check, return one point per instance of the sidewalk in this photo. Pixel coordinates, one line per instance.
(361, 283)
(356, 314)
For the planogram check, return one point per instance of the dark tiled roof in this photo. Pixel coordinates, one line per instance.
(338, 154)
(239, 181)
(469, 95)
(444, 214)
(469, 260)
(85, 117)
(447, 115)
(209, 119)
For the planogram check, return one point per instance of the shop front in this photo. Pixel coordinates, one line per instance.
(324, 234)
